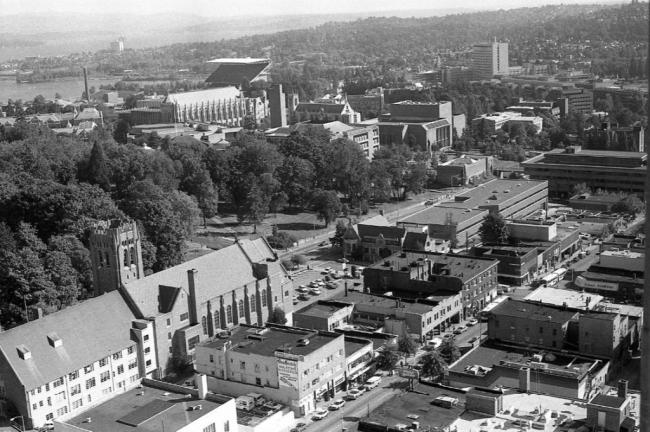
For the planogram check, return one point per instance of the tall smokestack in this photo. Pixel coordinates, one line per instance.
(86, 83)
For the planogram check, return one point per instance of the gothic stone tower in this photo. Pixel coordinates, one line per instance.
(116, 254)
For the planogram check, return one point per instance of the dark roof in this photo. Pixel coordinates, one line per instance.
(415, 241)
(608, 401)
(235, 73)
(319, 310)
(533, 311)
(89, 331)
(353, 345)
(375, 231)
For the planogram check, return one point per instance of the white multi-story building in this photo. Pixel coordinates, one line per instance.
(62, 364)
(489, 59)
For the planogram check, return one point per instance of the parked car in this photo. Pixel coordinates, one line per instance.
(320, 414)
(336, 405)
(331, 285)
(371, 383)
(448, 336)
(354, 394)
(313, 284)
(302, 289)
(300, 427)
(435, 342)
(303, 297)
(315, 291)
(295, 300)
(458, 330)
(472, 340)
(472, 322)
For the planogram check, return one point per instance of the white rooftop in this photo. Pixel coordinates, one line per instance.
(241, 60)
(622, 254)
(558, 296)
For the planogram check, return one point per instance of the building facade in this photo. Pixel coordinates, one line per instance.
(490, 59)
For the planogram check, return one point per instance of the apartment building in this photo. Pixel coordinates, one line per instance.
(490, 59)
(60, 365)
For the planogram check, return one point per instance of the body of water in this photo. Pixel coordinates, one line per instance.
(69, 88)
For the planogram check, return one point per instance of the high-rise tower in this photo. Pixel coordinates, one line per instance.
(116, 254)
(489, 59)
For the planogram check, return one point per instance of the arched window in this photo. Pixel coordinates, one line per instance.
(241, 308)
(263, 297)
(132, 255)
(100, 260)
(126, 257)
(253, 305)
(204, 323)
(107, 260)
(229, 314)
(216, 321)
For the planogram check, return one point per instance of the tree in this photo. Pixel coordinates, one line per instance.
(121, 131)
(449, 351)
(580, 188)
(277, 316)
(98, 168)
(433, 364)
(299, 259)
(630, 205)
(296, 177)
(326, 204)
(494, 229)
(387, 359)
(406, 345)
(341, 228)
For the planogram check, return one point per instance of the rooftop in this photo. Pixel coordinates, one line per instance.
(489, 355)
(200, 96)
(622, 254)
(232, 72)
(383, 304)
(533, 311)
(320, 309)
(558, 297)
(88, 332)
(450, 265)
(500, 192)
(143, 410)
(607, 401)
(266, 341)
(353, 345)
(442, 214)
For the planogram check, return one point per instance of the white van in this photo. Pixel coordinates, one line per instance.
(372, 382)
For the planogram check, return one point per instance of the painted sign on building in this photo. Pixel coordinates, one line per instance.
(599, 285)
(288, 373)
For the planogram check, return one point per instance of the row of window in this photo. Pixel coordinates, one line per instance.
(229, 312)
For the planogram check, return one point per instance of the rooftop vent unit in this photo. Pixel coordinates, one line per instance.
(302, 342)
(23, 352)
(54, 340)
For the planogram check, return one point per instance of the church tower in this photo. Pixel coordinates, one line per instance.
(116, 254)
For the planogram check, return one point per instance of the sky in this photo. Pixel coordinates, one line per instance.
(258, 7)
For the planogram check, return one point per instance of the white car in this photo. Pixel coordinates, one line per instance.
(336, 405)
(320, 414)
(302, 289)
(354, 394)
(315, 291)
(472, 322)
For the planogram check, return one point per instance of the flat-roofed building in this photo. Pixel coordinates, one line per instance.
(423, 126)
(489, 124)
(490, 59)
(423, 274)
(324, 315)
(598, 169)
(461, 171)
(152, 409)
(66, 362)
(623, 259)
(287, 364)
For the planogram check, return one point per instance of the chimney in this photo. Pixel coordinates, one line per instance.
(622, 389)
(192, 306)
(524, 379)
(86, 83)
(202, 385)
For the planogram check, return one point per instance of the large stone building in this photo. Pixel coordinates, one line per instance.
(598, 169)
(490, 59)
(194, 300)
(327, 111)
(489, 124)
(60, 365)
(422, 126)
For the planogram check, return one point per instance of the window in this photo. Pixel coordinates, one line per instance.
(60, 396)
(77, 404)
(226, 426)
(184, 316)
(217, 321)
(133, 364)
(134, 378)
(241, 308)
(541, 330)
(204, 324)
(61, 411)
(263, 297)
(211, 358)
(169, 322)
(147, 350)
(58, 382)
(229, 314)
(73, 375)
(105, 376)
(554, 332)
(34, 406)
(47, 387)
(103, 362)
(88, 369)
(131, 349)
(192, 342)
(145, 338)
(148, 363)
(210, 428)
(90, 383)
(258, 381)
(253, 305)
(286, 293)
(242, 365)
(120, 369)
(49, 416)
(49, 401)
(40, 403)
(169, 336)
(76, 389)
(107, 390)
(117, 355)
